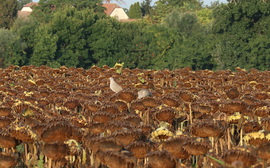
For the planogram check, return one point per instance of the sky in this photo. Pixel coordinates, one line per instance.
(129, 2)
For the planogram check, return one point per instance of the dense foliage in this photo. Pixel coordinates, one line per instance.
(135, 11)
(8, 12)
(172, 34)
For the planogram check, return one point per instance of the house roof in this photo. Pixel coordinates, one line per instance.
(110, 7)
(31, 4)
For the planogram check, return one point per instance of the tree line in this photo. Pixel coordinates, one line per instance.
(170, 34)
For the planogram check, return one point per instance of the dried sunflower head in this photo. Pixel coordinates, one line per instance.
(161, 134)
(256, 138)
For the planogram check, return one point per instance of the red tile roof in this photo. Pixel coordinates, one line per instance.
(31, 4)
(110, 7)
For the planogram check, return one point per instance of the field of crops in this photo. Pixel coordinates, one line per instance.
(70, 117)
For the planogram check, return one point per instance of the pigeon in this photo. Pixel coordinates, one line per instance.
(114, 86)
(143, 93)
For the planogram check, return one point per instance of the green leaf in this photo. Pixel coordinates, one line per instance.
(20, 148)
(216, 160)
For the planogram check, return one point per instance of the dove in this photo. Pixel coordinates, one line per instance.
(143, 93)
(114, 86)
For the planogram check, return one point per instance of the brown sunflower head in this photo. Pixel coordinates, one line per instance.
(249, 99)
(111, 109)
(251, 126)
(134, 120)
(56, 151)
(121, 105)
(6, 141)
(120, 116)
(101, 117)
(232, 106)
(91, 107)
(175, 147)
(207, 128)
(139, 149)
(257, 138)
(146, 129)
(138, 105)
(241, 155)
(202, 107)
(265, 122)
(150, 102)
(261, 95)
(114, 159)
(118, 126)
(58, 131)
(263, 111)
(5, 111)
(166, 114)
(5, 121)
(196, 148)
(170, 100)
(95, 128)
(127, 136)
(109, 145)
(43, 102)
(186, 96)
(7, 160)
(22, 133)
(161, 134)
(232, 93)
(127, 95)
(71, 104)
(160, 159)
(263, 151)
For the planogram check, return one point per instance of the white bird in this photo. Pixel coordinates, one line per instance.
(114, 86)
(143, 93)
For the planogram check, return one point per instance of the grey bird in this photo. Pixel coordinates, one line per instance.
(114, 86)
(143, 93)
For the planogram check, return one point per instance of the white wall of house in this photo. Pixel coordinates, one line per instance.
(119, 13)
(28, 9)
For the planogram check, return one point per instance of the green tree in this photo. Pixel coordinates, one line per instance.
(144, 49)
(11, 49)
(186, 23)
(131, 52)
(135, 11)
(102, 43)
(162, 59)
(159, 11)
(146, 7)
(162, 39)
(163, 7)
(45, 48)
(185, 42)
(205, 16)
(43, 11)
(117, 42)
(194, 51)
(79, 4)
(179, 3)
(64, 40)
(25, 29)
(8, 12)
(240, 28)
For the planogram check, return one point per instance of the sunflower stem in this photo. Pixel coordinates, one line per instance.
(190, 113)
